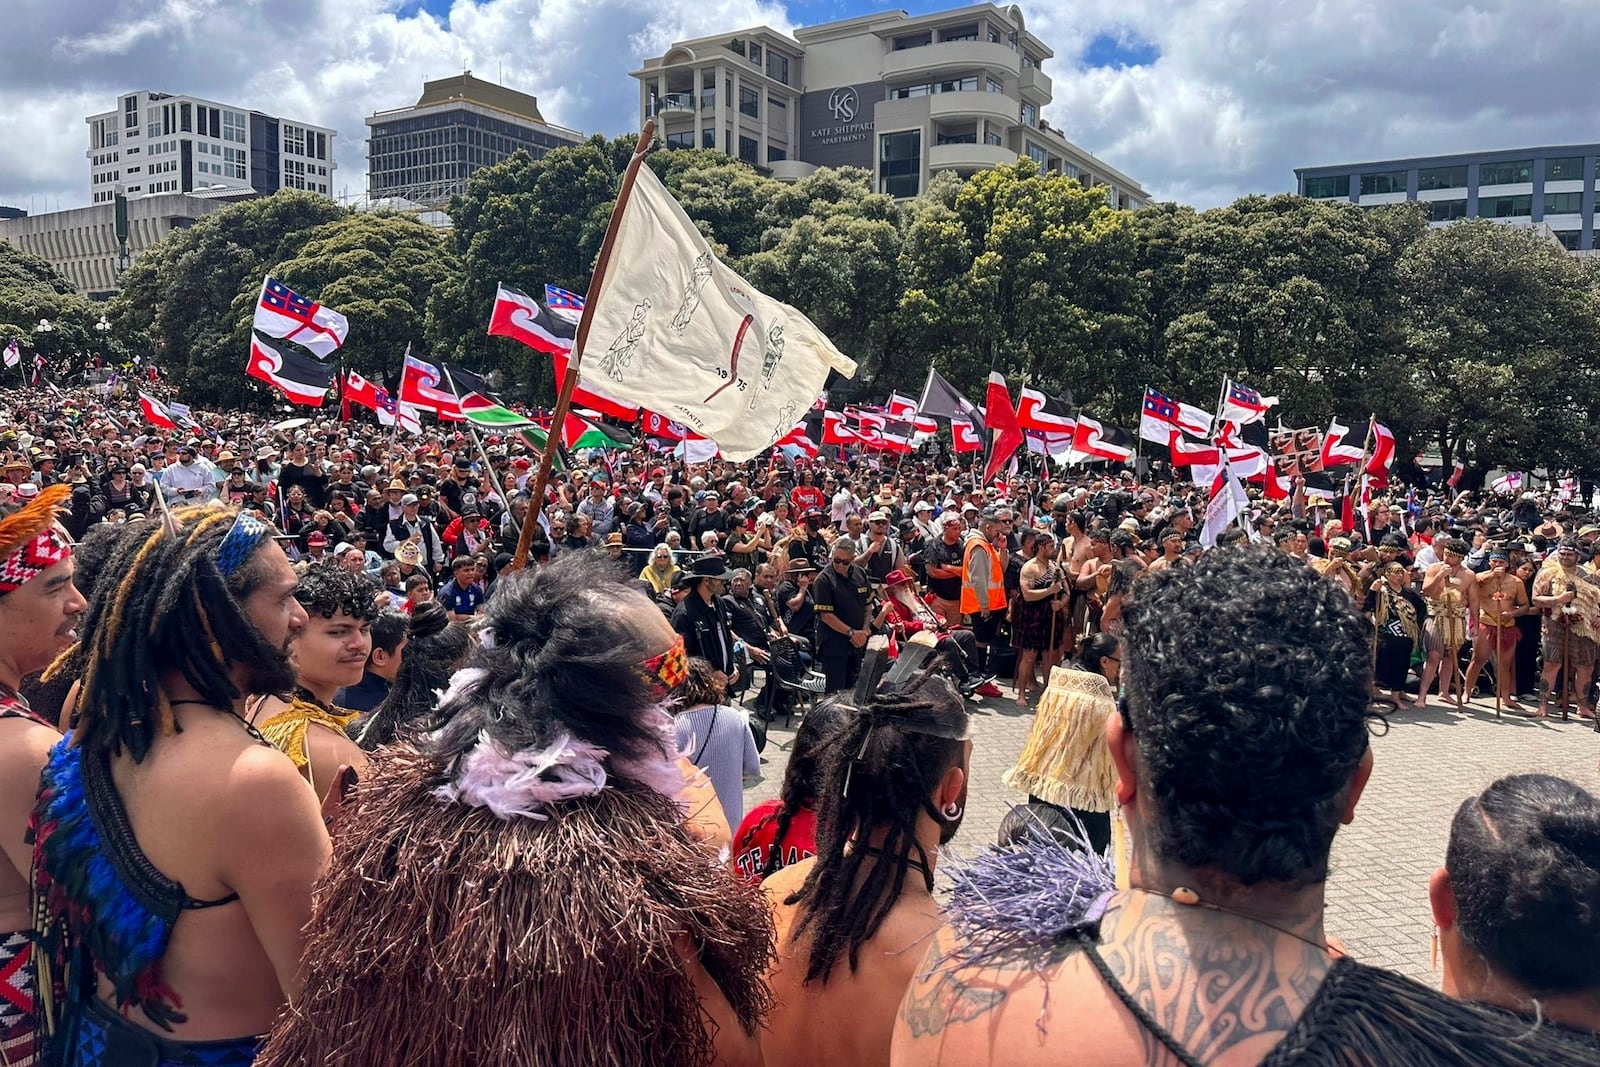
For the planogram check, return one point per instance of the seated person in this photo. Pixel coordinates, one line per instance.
(909, 615)
(1234, 773)
(1518, 901)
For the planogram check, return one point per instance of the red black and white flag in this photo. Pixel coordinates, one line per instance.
(522, 318)
(422, 385)
(1336, 447)
(835, 431)
(156, 413)
(370, 395)
(1001, 419)
(1188, 453)
(657, 425)
(300, 378)
(1097, 440)
(1457, 469)
(964, 435)
(797, 438)
(1382, 457)
(1037, 410)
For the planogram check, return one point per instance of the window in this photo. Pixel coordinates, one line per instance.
(749, 102)
(1336, 185)
(778, 67)
(775, 154)
(1563, 203)
(960, 33)
(1037, 154)
(906, 92)
(957, 85)
(1379, 182)
(994, 36)
(1566, 169)
(992, 139)
(900, 163)
(777, 102)
(233, 127)
(294, 173)
(185, 119)
(1571, 240)
(1442, 178)
(681, 140)
(1030, 115)
(749, 149)
(1504, 207)
(736, 45)
(1069, 169)
(214, 128)
(708, 138)
(1028, 61)
(294, 140)
(1512, 173)
(755, 54)
(1446, 210)
(130, 113)
(994, 85)
(727, 92)
(915, 40)
(958, 138)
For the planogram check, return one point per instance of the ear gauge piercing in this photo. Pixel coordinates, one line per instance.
(951, 811)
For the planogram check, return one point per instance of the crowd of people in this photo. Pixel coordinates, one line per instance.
(300, 767)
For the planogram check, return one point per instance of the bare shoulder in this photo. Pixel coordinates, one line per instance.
(955, 1013)
(24, 745)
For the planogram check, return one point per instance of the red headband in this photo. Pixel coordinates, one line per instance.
(47, 548)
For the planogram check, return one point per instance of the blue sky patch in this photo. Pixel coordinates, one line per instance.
(1119, 50)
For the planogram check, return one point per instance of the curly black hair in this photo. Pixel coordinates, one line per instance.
(435, 647)
(1248, 678)
(327, 589)
(1524, 864)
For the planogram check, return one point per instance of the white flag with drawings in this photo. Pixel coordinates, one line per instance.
(676, 331)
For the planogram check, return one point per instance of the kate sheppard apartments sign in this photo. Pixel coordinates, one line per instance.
(836, 125)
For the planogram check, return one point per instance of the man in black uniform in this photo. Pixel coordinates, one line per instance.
(842, 593)
(707, 631)
(795, 601)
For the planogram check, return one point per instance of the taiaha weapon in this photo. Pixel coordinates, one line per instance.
(1499, 652)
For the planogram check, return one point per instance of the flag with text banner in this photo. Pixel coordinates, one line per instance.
(671, 327)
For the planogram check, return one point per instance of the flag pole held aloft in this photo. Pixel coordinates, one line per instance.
(569, 382)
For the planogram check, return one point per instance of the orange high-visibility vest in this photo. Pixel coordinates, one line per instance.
(997, 579)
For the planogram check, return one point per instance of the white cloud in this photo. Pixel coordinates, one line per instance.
(1243, 90)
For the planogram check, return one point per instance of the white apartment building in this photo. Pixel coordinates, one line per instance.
(155, 143)
(903, 97)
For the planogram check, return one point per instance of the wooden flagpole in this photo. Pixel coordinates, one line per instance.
(569, 383)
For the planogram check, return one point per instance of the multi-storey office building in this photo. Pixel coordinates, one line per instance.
(1554, 186)
(426, 153)
(162, 143)
(903, 97)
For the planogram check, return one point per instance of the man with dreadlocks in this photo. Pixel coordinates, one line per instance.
(330, 653)
(520, 886)
(174, 850)
(1233, 777)
(39, 610)
(853, 920)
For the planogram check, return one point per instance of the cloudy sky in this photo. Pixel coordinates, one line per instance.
(1201, 100)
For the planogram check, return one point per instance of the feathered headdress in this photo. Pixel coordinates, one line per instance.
(30, 539)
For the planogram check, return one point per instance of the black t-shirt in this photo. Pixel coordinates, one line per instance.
(307, 477)
(939, 554)
(846, 597)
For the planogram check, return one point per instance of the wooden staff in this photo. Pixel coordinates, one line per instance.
(569, 383)
(1499, 653)
(1566, 663)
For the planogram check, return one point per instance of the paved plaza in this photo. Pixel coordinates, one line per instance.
(1426, 764)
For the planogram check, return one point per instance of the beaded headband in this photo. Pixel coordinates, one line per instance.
(38, 554)
(668, 670)
(243, 538)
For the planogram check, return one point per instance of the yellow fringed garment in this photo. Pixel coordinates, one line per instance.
(1066, 760)
(287, 730)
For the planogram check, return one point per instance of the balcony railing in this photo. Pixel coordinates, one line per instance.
(673, 102)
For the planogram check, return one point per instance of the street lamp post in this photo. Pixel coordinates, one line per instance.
(41, 332)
